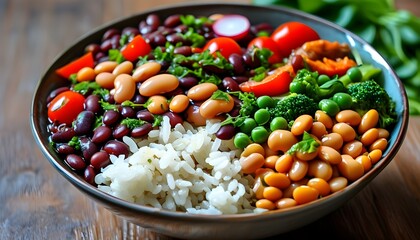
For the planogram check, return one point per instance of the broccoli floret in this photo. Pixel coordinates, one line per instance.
(368, 95)
(294, 105)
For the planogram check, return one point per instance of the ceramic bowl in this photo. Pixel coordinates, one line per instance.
(241, 226)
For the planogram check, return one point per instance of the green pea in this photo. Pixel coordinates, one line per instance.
(278, 123)
(241, 140)
(329, 106)
(355, 74)
(262, 116)
(297, 87)
(323, 79)
(344, 100)
(265, 102)
(248, 125)
(259, 134)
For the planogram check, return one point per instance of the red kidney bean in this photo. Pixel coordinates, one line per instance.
(101, 134)
(240, 79)
(64, 148)
(141, 131)
(183, 50)
(92, 104)
(153, 20)
(139, 99)
(175, 38)
(230, 85)
(174, 118)
(144, 28)
(226, 132)
(115, 41)
(87, 147)
(187, 82)
(145, 115)
(128, 112)
(63, 135)
(100, 160)
(94, 48)
(255, 29)
(84, 122)
(251, 61)
(181, 28)
(172, 21)
(212, 69)
(130, 31)
(89, 175)
(209, 35)
(110, 33)
(120, 131)
(110, 117)
(238, 63)
(75, 162)
(115, 147)
(106, 45)
(297, 62)
(55, 92)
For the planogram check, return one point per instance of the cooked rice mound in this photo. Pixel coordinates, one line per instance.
(181, 169)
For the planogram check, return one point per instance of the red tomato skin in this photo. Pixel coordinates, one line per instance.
(226, 46)
(73, 67)
(65, 107)
(292, 35)
(268, 43)
(137, 47)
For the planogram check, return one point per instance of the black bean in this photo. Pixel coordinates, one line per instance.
(172, 21)
(115, 147)
(174, 118)
(88, 148)
(128, 112)
(110, 33)
(92, 104)
(213, 69)
(111, 117)
(120, 131)
(63, 135)
(64, 148)
(100, 160)
(75, 162)
(142, 130)
(145, 115)
(89, 175)
(187, 82)
(230, 85)
(55, 92)
(84, 122)
(226, 132)
(238, 63)
(101, 134)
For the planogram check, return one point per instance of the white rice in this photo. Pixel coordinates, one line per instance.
(181, 169)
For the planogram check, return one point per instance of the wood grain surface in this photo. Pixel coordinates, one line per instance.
(38, 203)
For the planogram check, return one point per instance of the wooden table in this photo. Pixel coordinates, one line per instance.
(38, 203)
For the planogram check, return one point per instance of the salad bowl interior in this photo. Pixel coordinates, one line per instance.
(252, 225)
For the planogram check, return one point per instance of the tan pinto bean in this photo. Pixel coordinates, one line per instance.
(345, 130)
(251, 163)
(333, 140)
(124, 67)
(320, 169)
(202, 91)
(125, 88)
(321, 116)
(318, 129)
(349, 116)
(321, 185)
(298, 170)
(285, 203)
(194, 117)
(106, 66)
(159, 84)
(301, 124)
(338, 183)
(383, 133)
(158, 104)
(275, 179)
(304, 194)
(365, 161)
(146, 71)
(353, 148)
(329, 154)
(214, 107)
(350, 168)
(85, 74)
(369, 136)
(284, 163)
(380, 144)
(179, 103)
(369, 120)
(105, 80)
(375, 155)
(281, 140)
(253, 148)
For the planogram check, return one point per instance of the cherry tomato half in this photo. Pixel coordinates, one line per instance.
(268, 43)
(292, 35)
(138, 47)
(226, 46)
(65, 107)
(73, 67)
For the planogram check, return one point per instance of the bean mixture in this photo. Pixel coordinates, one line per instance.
(308, 119)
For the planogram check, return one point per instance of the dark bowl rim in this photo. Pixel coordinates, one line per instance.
(97, 194)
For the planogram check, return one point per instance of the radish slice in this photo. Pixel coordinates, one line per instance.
(232, 26)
